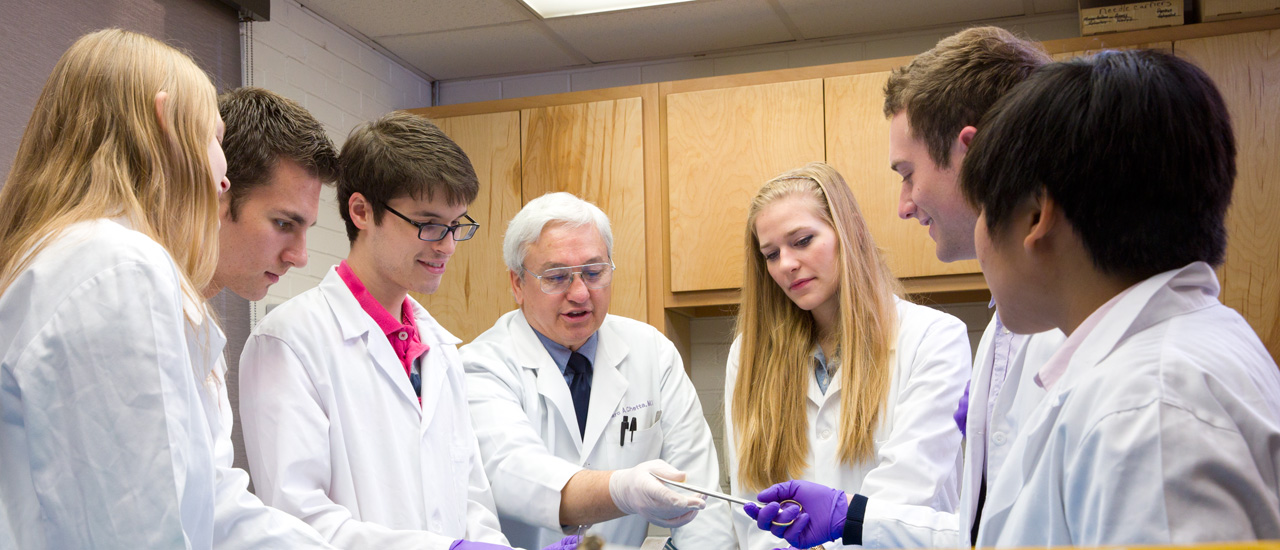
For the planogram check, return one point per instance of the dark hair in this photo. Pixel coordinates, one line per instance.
(262, 128)
(402, 155)
(1135, 146)
(952, 85)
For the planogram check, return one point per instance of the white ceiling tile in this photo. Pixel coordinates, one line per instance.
(825, 18)
(677, 29)
(514, 48)
(377, 18)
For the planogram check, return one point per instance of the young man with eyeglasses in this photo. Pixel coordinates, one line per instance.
(351, 394)
(575, 408)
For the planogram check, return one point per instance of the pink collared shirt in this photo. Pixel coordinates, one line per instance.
(1052, 370)
(402, 334)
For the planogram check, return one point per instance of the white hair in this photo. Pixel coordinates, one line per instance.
(560, 208)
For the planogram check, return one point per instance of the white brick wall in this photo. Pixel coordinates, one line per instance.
(343, 82)
(710, 338)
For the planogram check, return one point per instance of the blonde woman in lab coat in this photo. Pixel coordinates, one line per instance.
(108, 226)
(832, 377)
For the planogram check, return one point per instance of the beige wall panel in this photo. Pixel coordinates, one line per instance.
(596, 151)
(722, 145)
(475, 289)
(1246, 68)
(858, 147)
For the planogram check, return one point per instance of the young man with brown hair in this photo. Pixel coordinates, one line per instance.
(278, 156)
(352, 396)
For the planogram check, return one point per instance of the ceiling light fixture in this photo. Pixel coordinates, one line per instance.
(563, 8)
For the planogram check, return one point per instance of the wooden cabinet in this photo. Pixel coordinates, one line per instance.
(593, 149)
(596, 151)
(475, 289)
(722, 145)
(1246, 68)
(858, 147)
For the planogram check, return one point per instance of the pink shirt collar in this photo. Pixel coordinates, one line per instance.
(1052, 371)
(402, 334)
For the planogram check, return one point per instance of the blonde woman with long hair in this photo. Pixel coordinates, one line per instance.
(108, 229)
(832, 378)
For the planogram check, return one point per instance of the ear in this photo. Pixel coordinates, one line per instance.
(517, 289)
(964, 138)
(1045, 217)
(162, 98)
(360, 210)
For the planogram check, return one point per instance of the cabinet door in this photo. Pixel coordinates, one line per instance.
(858, 147)
(722, 145)
(596, 151)
(1246, 68)
(475, 289)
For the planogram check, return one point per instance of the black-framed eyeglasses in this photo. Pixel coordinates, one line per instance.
(557, 280)
(432, 232)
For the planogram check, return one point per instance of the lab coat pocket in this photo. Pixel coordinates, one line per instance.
(644, 444)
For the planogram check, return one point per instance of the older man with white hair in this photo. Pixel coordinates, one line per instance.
(575, 408)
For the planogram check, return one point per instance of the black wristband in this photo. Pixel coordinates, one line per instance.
(853, 521)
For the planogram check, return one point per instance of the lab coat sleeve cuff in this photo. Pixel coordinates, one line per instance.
(853, 521)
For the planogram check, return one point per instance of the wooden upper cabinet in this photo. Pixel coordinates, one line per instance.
(858, 147)
(1246, 68)
(722, 145)
(475, 289)
(596, 151)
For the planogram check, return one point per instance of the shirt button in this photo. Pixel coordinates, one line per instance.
(825, 435)
(998, 438)
(403, 335)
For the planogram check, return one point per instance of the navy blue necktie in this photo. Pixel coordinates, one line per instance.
(580, 388)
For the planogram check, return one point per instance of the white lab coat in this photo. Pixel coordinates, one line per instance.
(103, 440)
(888, 524)
(335, 435)
(917, 458)
(528, 431)
(240, 518)
(1164, 429)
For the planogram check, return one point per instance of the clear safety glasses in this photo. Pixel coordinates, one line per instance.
(557, 280)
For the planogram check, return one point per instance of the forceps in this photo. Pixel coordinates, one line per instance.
(730, 498)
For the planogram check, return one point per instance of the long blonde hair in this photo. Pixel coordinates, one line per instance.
(777, 339)
(94, 148)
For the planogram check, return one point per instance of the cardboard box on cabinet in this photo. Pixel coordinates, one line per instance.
(1103, 16)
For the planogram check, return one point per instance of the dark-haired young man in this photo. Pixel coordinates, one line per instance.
(352, 396)
(278, 155)
(1161, 420)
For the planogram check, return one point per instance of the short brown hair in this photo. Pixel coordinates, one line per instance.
(400, 155)
(952, 85)
(264, 127)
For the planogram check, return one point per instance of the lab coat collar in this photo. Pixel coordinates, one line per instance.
(354, 323)
(1176, 292)
(608, 385)
(1163, 296)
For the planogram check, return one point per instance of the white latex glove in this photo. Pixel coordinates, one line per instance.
(635, 491)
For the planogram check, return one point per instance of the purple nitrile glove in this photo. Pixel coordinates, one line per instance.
(962, 412)
(821, 521)
(472, 545)
(568, 543)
